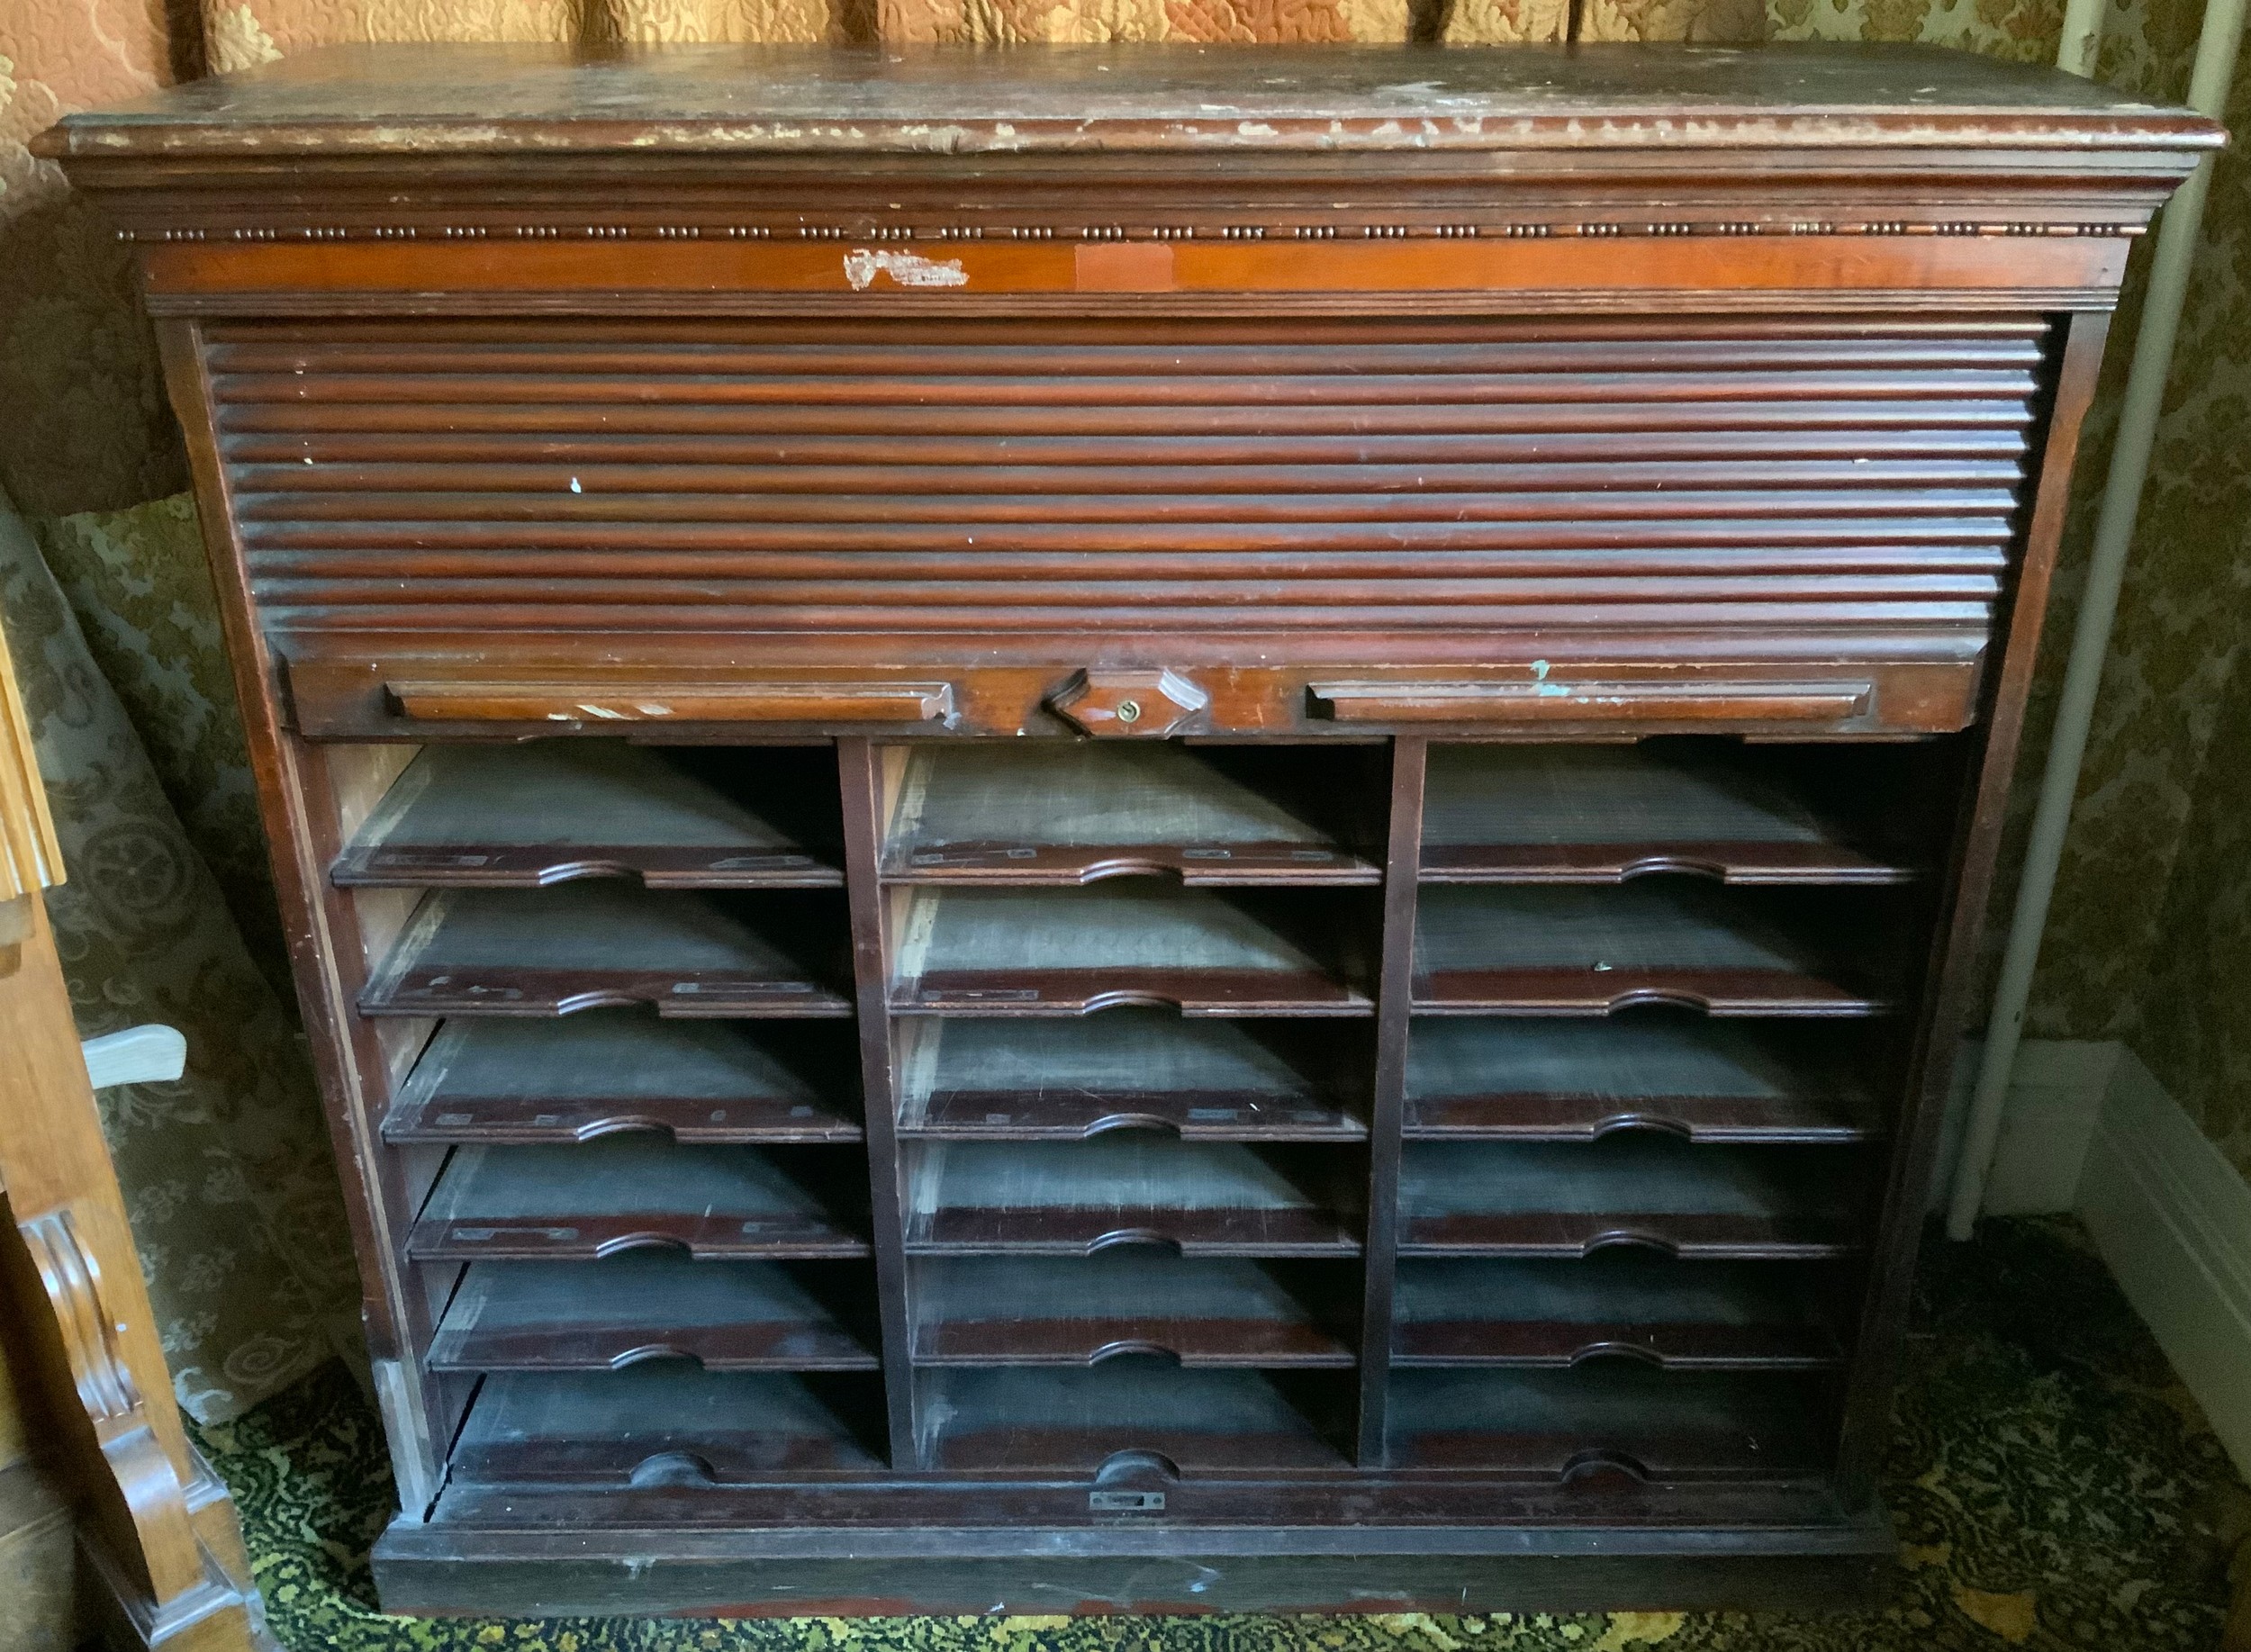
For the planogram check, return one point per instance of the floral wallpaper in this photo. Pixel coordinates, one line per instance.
(245, 1248)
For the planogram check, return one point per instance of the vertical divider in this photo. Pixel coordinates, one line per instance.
(863, 833)
(1395, 987)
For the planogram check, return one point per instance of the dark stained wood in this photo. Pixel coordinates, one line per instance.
(1019, 1078)
(630, 1192)
(1042, 814)
(1135, 942)
(1607, 1421)
(1689, 1315)
(593, 945)
(1698, 1076)
(1200, 1313)
(1132, 1189)
(645, 1305)
(639, 432)
(523, 817)
(603, 1071)
(1558, 950)
(1641, 1191)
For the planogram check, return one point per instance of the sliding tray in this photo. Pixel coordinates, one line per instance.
(1131, 1423)
(1609, 1419)
(667, 1423)
(549, 1202)
(520, 816)
(1537, 1078)
(1560, 950)
(607, 1071)
(1591, 814)
(1066, 950)
(646, 1305)
(1055, 813)
(583, 945)
(992, 1311)
(1200, 1198)
(1693, 1316)
(1020, 1078)
(1476, 1198)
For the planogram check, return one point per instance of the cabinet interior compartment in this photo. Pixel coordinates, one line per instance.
(1612, 1421)
(1565, 949)
(1023, 1078)
(585, 945)
(1074, 812)
(548, 811)
(1196, 1311)
(1134, 941)
(1133, 1422)
(1618, 1304)
(668, 1423)
(1709, 1079)
(1639, 1188)
(646, 1305)
(591, 1199)
(1718, 808)
(1133, 1187)
(602, 1071)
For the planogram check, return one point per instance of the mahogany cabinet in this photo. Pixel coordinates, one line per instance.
(1133, 829)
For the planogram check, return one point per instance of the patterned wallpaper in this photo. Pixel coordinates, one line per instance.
(2152, 915)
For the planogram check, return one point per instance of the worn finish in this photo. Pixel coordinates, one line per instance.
(1405, 664)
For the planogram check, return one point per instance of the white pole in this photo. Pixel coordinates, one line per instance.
(2081, 38)
(2169, 267)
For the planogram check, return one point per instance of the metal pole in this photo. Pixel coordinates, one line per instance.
(2169, 267)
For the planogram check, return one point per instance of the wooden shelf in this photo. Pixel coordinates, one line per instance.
(1598, 813)
(1693, 1315)
(608, 1071)
(1139, 1420)
(1067, 951)
(1052, 812)
(1476, 1198)
(667, 1423)
(549, 1202)
(1558, 950)
(606, 1315)
(1538, 1079)
(1606, 1420)
(548, 811)
(1209, 1080)
(584, 945)
(1199, 1313)
(1200, 1198)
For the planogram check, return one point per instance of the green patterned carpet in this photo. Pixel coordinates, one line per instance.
(2052, 1483)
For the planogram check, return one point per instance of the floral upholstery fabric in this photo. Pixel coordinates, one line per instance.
(226, 1172)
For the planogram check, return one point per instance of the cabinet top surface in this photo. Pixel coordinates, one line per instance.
(463, 99)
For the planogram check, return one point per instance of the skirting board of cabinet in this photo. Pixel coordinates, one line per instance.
(2172, 1219)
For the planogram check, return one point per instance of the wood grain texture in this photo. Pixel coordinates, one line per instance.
(1448, 431)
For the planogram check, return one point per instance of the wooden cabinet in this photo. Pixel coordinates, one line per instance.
(1134, 829)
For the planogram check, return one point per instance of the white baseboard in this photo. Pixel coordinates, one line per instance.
(2046, 1122)
(2173, 1219)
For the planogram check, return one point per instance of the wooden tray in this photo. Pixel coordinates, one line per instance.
(1531, 1199)
(606, 1315)
(608, 1071)
(1199, 1198)
(549, 1202)
(1067, 951)
(1693, 1315)
(547, 811)
(1018, 1079)
(979, 1311)
(585, 945)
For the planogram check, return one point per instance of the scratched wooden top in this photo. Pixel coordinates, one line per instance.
(466, 99)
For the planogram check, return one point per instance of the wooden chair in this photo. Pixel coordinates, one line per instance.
(111, 1522)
